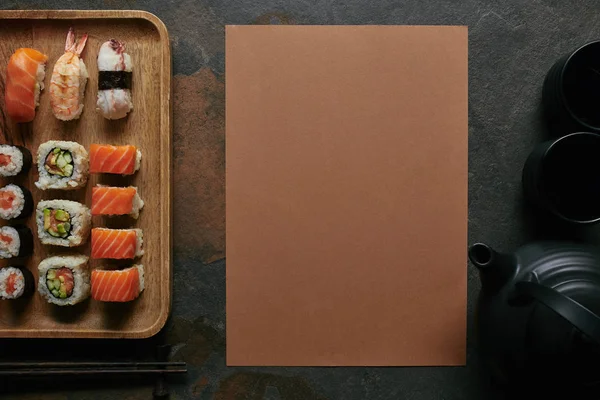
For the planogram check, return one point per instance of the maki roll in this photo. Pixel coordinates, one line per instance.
(109, 200)
(62, 165)
(15, 282)
(64, 280)
(63, 222)
(118, 286)
(15, 241)
(114, 80)
(15, 202)
(14, 160)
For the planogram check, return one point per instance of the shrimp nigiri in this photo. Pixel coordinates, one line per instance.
(24, 82)
(68, 81)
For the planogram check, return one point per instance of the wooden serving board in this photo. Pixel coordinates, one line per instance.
(148, 126)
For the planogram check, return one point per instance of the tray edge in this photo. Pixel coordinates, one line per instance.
(166, 125)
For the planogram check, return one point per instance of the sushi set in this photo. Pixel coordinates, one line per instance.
(85, 174)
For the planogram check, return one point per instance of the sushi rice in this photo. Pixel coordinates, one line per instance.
(78, 217)
(20, 199)
(108, 285)
(49, 282)
(39, 86)
(18, 160)
(15, 241)
(19, 283)
(77, 161)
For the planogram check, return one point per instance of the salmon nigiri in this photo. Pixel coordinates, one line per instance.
(116, 243)
(109, 200)
(24, 82)
(124, 160)
(119, 286)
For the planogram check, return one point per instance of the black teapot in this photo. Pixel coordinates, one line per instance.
(537, 317)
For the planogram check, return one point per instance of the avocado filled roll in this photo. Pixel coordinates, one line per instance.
(63, 222)
(64, 280)
(62, 165)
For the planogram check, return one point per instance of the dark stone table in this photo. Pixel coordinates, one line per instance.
(512, 43)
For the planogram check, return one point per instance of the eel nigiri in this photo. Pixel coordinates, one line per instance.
(124, 160)
(118, 286)
(110, 200)
(117, 243)
(69, 77)
(24, 82)
(114, 80)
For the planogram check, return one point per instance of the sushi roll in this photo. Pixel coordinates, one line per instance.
(117, 243)
(62, 165)
(15, 282)
(64, 280)
(108, 200)
(124, 160)
(14, 160)
(114, 80)
(63, 222)
(24, 81)
(15, 202)
(15, 241)
(118, 286)
(69, 77)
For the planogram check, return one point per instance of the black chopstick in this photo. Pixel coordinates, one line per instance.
(83, 371)
(90, 368)
(83, 364)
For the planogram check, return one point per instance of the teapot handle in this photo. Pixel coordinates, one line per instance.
(578, 315)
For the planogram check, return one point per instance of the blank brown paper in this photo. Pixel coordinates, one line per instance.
(346, 195)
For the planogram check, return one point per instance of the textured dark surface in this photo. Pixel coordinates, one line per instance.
(511, 43)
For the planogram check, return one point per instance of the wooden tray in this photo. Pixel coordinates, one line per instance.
(148, 126)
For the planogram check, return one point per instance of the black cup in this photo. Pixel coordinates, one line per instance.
(571, 92)
(562, 177)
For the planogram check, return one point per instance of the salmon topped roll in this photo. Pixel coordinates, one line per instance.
(109, 200)
(69, 78)
(117, 243)
(118, 286)
(124, 160)
(24, 82)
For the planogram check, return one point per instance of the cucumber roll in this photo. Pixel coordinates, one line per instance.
(15, 282)
(15, 241)
(64, 280)
(62, 165)
(14, 160)
(15, 202)
(63, 222)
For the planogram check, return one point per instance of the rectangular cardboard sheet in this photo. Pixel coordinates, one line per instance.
(346, 195)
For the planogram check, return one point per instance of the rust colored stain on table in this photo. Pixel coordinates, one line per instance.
(199, 166)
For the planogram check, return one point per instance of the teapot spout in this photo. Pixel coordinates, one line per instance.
(495, 269)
